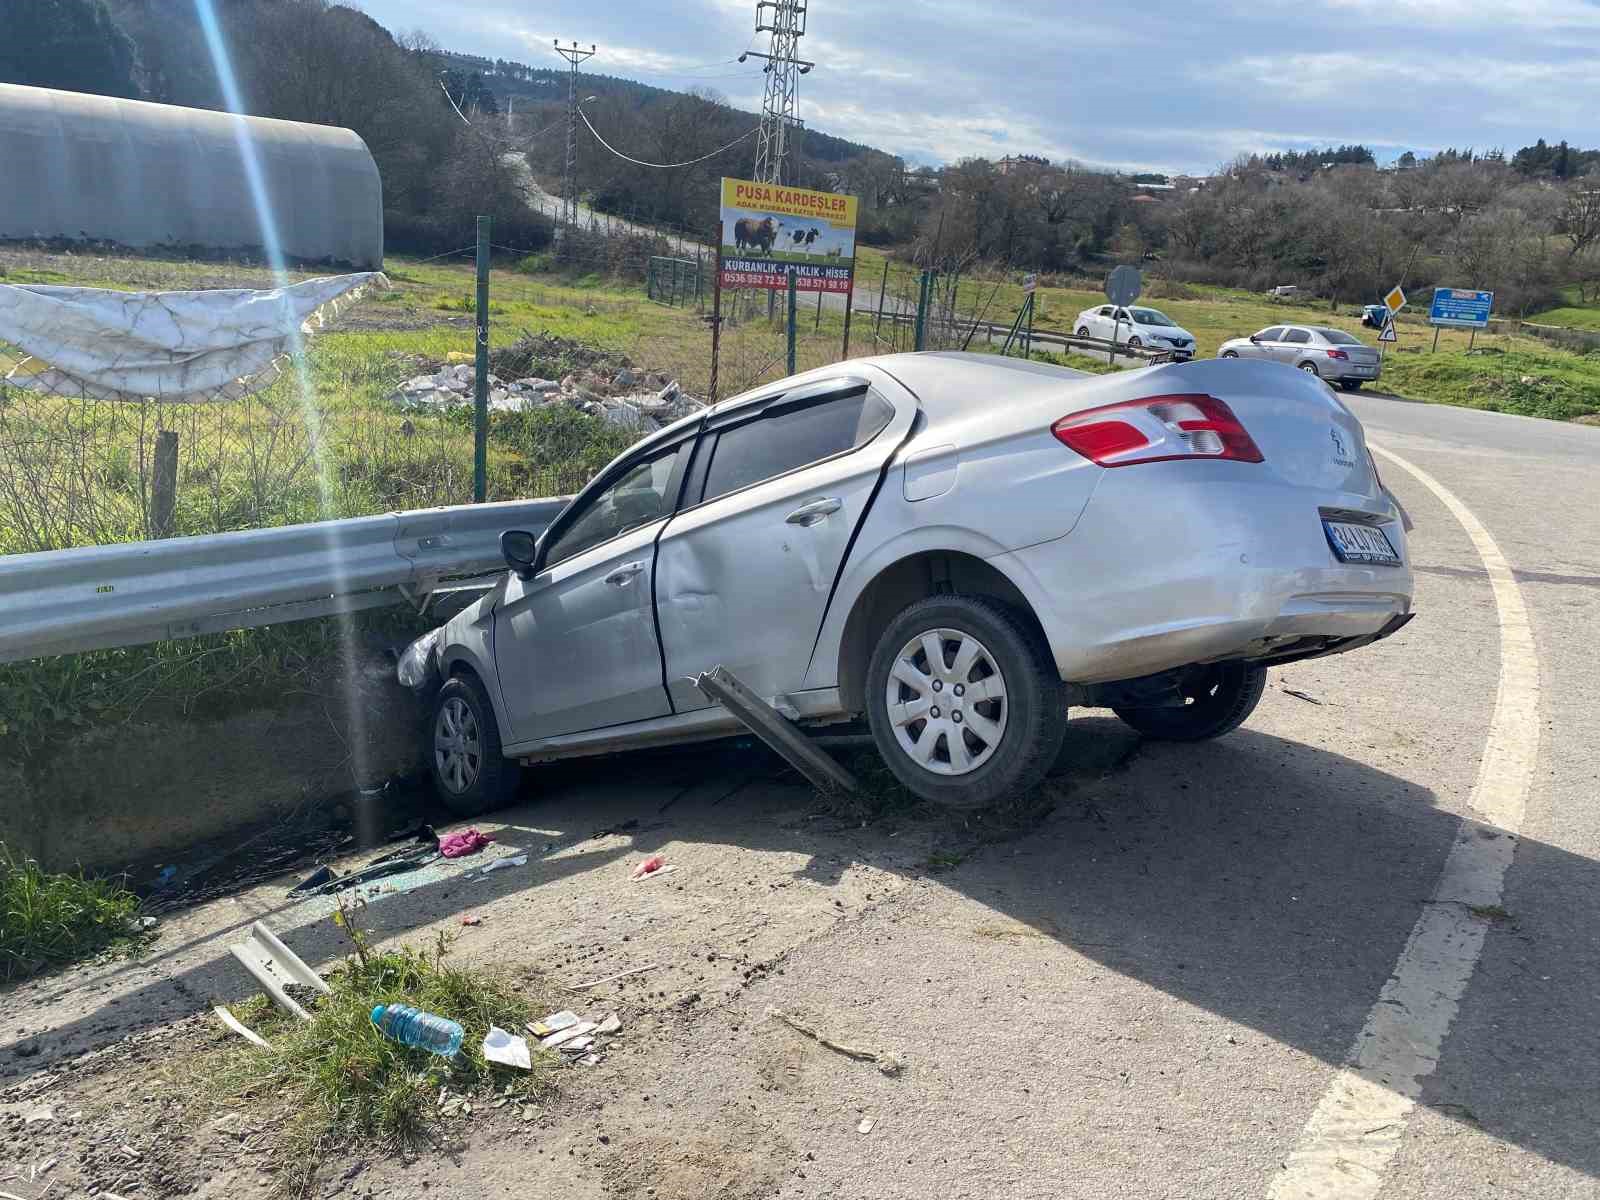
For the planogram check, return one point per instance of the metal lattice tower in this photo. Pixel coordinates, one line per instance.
(777, 143)
(569, 190)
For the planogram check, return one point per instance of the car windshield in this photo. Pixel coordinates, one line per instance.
(1339, 337)
(1149, 316)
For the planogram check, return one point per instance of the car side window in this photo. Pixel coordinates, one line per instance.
(1272, 334)
(636, 499)
(1122, 315)
(1106, 312)
(786, 440)
(1297, 336)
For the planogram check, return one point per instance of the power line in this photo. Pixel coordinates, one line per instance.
(639, 162)
(569, 198)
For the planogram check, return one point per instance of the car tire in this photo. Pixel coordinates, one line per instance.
(1310, 368)
(1007, 740)
(1229, 354)
(1083, 331)
(1135, 343)
(470, 774)
(1350, 385)
(1219, 697)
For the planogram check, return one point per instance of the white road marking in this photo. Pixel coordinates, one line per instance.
(1357, 1126)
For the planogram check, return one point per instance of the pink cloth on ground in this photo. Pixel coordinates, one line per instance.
(459, 845)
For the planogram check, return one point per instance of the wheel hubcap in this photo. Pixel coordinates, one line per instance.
(457, 746)
(954, 737)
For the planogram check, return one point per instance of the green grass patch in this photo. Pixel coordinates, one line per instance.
(52, 919)
(337, 1082)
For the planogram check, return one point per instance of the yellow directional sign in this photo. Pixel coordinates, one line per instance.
(1395, 300)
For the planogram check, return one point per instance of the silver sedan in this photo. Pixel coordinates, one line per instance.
(948, 548)
(1319, 350)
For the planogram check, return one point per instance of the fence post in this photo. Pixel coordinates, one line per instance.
(883, 285)
(793, 296)
(716, 325)
(849, 302)
(480, 388)
(923, 289)
(164, 484)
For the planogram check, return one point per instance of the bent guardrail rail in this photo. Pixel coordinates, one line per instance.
(95, 597)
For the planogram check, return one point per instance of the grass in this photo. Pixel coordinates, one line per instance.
(49, 920)
(336, 1081)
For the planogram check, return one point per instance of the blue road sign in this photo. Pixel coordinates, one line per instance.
(1461, 307)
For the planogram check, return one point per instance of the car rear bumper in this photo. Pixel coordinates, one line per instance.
(1174, 568)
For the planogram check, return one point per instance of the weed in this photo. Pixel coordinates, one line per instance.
(946, 860)
(49, 919)
(1493, 913)
(337, 1081)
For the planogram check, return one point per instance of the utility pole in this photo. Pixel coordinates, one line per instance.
(777, 143)
(569, 193)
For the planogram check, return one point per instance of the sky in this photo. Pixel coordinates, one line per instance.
(1149, 84)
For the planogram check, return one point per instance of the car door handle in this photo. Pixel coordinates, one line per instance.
(625, 574)
(809, 513)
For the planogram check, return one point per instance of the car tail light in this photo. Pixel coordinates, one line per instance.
(1337, 354)
(1157, 429)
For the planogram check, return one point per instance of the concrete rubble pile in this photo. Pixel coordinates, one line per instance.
(636, 400)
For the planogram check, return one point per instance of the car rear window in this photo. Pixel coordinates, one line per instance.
(775, 445)
(1339, 337)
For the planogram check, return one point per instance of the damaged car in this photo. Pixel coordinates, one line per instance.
(951, 550)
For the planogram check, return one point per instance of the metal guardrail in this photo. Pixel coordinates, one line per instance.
(94, 597)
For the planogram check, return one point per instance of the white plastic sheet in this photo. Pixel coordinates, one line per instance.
(180, 347)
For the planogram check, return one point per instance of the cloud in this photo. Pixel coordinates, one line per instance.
(1166, 84)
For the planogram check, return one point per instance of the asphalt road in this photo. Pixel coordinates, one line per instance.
(1153, 992)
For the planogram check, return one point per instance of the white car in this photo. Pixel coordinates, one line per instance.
(948, 548)
(1137, 327)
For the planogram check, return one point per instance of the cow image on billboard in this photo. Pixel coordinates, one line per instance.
(767, 228)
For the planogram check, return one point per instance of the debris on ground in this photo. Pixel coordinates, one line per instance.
(520, 860)
(888, 1064)
(471, 919)
(239, 1027)
(866, 1124)
(578, 987)
(507, 1049)
(571, 1032)
(554, 1023)
(276, 967)
(315, 881)
(411, 1026)
(648, 867)
(636, 399)
(610, 1024)
(1298, 695)
(463, 842)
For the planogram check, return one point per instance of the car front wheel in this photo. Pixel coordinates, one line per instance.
(964, 701)
(469, 771)
(1217, 699)
(1230, 354)
(1083, 331)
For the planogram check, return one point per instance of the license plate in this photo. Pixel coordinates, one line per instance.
(1353, 543)
(1366, 370)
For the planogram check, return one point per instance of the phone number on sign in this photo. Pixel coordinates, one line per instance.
(760, 279)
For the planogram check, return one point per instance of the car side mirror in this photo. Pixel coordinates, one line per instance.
(520, 549)
(1255, 338)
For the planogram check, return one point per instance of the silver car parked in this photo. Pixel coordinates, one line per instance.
(949, 548)
(1330, 354)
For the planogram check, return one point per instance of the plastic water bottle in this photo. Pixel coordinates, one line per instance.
(413, 1027)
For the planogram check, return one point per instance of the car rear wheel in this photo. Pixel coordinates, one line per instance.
(1350, 385)
(470, 773)
(1217, 699)
(1310, 368)
(1135, 342)
(964, 702)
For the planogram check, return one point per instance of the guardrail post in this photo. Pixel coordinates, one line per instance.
(480, 390)
(164, 484)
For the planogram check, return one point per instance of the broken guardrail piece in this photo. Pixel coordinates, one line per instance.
(273, 965)
(724, 687)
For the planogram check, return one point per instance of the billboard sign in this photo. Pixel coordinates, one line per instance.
(769, 227)
(1461, 308)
